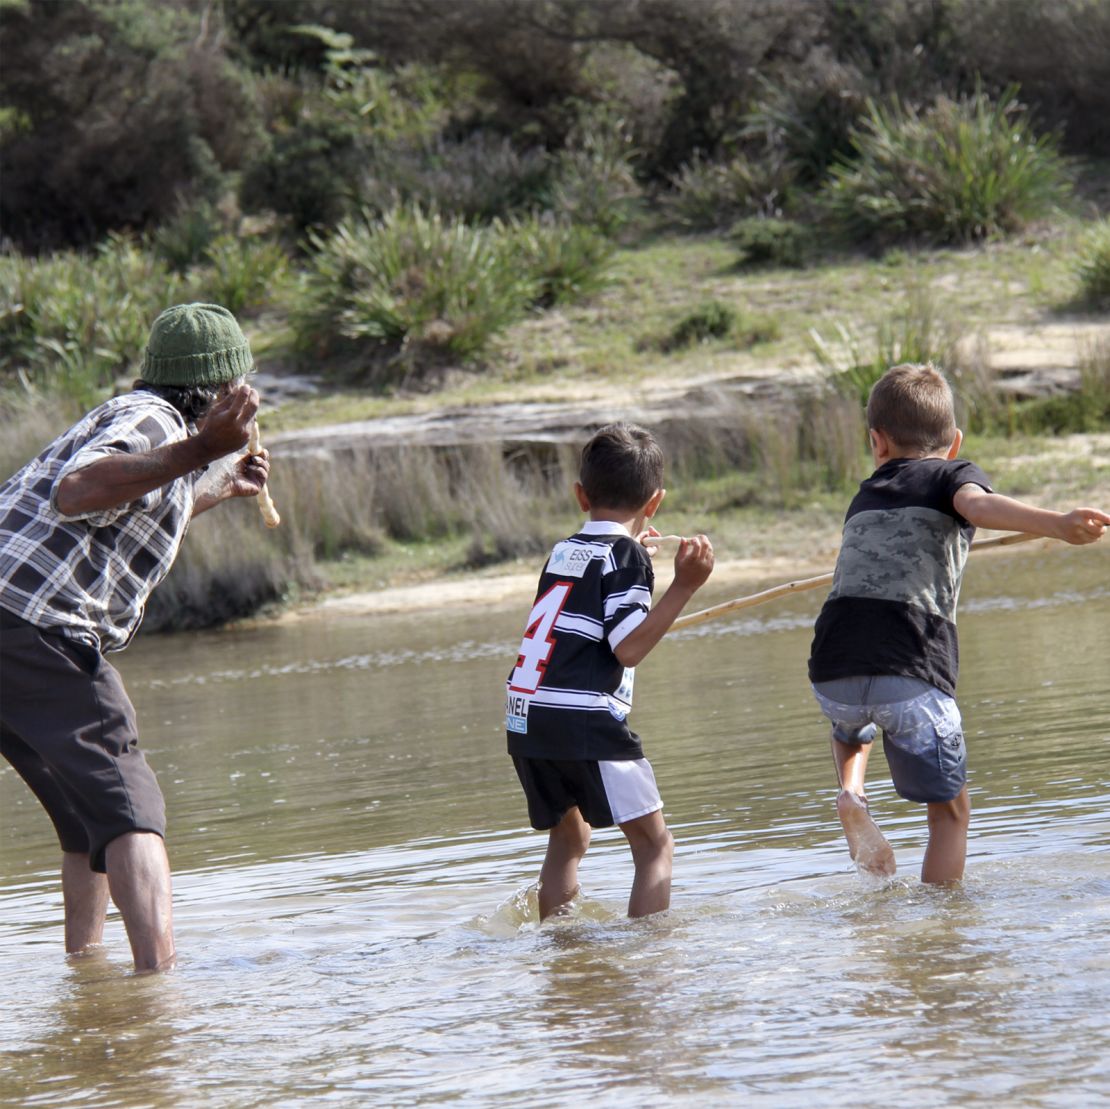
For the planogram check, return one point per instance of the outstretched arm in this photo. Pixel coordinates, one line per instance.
(993, 510)
(122, 478)
(692, 566)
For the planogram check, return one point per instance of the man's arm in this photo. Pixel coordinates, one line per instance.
(122, 478)
(693, 564)
(993, 510)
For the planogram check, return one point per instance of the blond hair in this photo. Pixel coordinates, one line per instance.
(913, 405)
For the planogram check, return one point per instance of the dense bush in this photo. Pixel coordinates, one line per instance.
(777, 242)
(1055, 51)
(308, 172)
(566, 262)
(961, 170)
(594, 182)
(112, 112)
(711, 320)
(704, 196)
(1093, 266)
(399, 297)
(75, 323)
(804, 119)
(241, 273)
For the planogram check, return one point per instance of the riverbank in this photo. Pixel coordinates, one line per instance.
(755, 548)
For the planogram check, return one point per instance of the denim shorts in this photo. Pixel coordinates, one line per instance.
(923, 737)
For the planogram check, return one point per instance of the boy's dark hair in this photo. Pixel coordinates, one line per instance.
(912, 403)
(622, 467)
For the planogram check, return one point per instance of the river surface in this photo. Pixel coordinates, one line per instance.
(353, 870)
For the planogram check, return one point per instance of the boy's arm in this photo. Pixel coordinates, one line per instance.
(692, 566)
(993, 510)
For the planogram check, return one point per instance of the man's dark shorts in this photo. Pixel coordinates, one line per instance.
(68, 728)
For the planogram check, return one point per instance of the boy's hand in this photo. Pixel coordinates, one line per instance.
(645, 540)
(693, 563)
(1083, 525)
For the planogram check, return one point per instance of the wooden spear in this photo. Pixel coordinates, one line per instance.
(800, 586)
(265, 501)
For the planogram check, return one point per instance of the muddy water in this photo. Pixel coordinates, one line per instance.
(352, 871)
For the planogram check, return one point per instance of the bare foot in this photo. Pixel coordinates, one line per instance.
(866, 844)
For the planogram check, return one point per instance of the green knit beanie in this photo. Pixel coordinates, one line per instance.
(196, 344)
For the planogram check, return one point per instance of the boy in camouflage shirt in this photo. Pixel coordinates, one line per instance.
(884, 650)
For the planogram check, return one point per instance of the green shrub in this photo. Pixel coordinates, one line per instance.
(962, 170)
(144, 107)
(1093, 266)
(707, 195)
(307, 171)
(400, 297)
(778, 242)
(567, 263)
(711, 320)
(73, 323)
(242, 274)
(594, 184)
(182, 240)
(806, 117)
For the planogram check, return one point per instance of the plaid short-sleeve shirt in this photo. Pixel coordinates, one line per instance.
(89, 576)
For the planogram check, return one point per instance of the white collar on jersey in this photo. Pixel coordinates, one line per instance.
(603, 527)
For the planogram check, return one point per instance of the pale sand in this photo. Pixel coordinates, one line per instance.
(492, 590)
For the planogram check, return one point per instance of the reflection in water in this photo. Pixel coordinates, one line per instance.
(353, 867)
(122, 1028)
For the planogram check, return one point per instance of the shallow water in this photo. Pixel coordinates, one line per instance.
(352, 872)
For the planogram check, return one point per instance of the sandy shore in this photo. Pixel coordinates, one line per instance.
(500, 589)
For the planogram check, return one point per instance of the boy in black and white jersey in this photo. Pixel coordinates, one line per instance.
(569, 695)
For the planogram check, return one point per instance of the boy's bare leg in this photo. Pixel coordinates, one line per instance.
(946, 853)
(867, 846)
(653, 852)
(139, 881)
(85, 896)
(566, 844)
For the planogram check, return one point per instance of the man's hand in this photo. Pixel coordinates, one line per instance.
(226, 426)
(250, 474)
(244, 477)
(693, 563)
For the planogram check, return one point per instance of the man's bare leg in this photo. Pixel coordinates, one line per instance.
(867, 846)
(85, 896)
(566, 844)
(946, 853)
(653, 854)
(139, 881)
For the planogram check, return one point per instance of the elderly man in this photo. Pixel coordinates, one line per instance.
(87, 530)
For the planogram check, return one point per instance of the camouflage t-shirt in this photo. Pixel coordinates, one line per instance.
(892, 606)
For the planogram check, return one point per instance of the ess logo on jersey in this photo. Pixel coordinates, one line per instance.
(568, 560)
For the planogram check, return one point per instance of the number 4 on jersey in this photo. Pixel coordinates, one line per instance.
(538, 643)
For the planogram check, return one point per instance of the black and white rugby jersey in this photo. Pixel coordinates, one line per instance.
(568, 697)
(892, 605)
